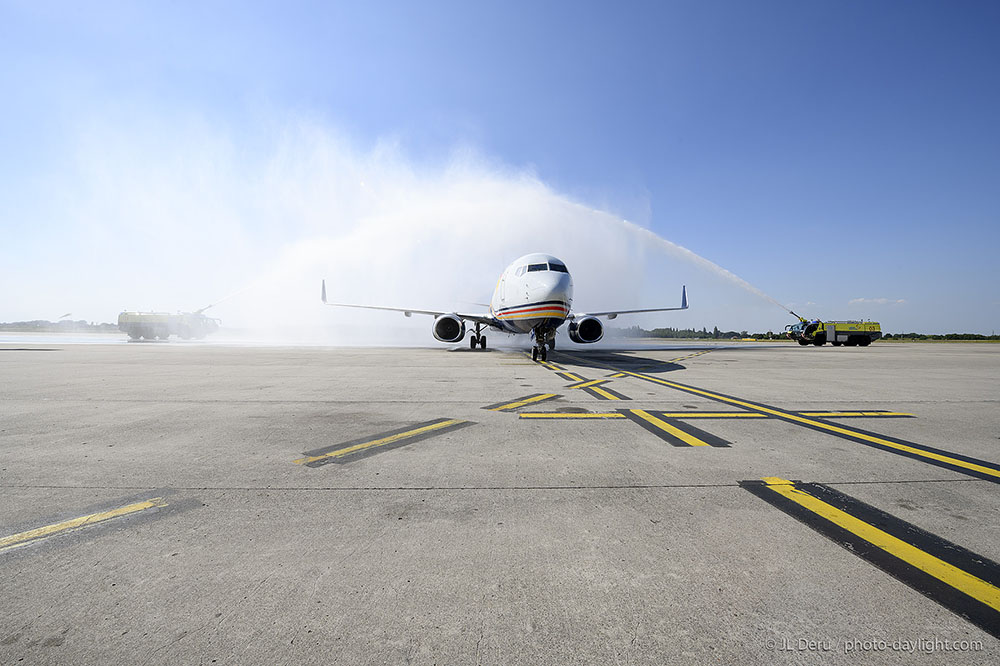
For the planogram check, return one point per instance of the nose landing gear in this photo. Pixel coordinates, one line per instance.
(543, 338)
(477, 338)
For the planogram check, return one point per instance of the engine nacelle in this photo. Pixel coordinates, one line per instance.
(449, 328)
(586, 329)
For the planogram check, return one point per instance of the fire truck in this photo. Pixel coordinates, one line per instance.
(837, 333)
(161, 325)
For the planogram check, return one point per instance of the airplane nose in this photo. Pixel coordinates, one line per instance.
(551, 286)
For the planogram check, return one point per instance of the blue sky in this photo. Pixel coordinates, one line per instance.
(844, 154)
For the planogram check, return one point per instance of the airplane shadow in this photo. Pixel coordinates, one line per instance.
(604, 360)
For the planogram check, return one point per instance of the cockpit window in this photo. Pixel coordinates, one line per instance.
(532, 268)
(557, 267)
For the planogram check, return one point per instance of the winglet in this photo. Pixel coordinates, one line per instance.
(324, 291)
(684, 297)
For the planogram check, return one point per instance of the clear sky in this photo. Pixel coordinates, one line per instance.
(843, 157)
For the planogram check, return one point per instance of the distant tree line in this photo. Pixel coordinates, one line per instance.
(695, 334)
(66, 325)
(946, 336)
(716, 334)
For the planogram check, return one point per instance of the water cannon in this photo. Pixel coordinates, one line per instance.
(799, 317)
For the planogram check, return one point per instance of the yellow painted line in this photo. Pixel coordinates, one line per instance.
(756, 415)
(607, 396)
(957, 578)
(684, 358)
(547, 364)
(559, 415)
(855, 414)
(714, 415)
(522, 403)
(826, 426)
(575, 377)
(378, 442)
(590, 383)
(617, 376)
(666, 427)
(776, 481)
(16, 540)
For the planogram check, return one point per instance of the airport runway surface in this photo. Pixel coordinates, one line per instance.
(173, 503)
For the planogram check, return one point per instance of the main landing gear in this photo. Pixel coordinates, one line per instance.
(477, 338)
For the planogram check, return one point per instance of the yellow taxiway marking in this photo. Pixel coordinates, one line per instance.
(957, 578)
(618, 375)
(713, 415)
(16, 540)
(575, 377)
(522, 403)
(592, 382)
(607, 396)
(689, 415)
(831, 414)
(825, 426)
(688, 439)
(756, 415)
(684, 358)
(378, 442)
(570, 415)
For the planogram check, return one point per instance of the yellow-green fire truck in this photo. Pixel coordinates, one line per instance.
(848, 333)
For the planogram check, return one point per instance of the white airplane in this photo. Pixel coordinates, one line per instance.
(534, 295)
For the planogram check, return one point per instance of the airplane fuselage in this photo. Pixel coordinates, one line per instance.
(534, 293)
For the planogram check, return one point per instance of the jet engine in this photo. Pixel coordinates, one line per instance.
(586, 329)
(449, 328)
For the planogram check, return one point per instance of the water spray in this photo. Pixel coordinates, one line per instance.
(674, 248)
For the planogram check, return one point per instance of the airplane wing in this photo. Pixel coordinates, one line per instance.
(485, 319)
(614, 313)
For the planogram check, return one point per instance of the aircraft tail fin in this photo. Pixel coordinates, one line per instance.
(324, 291)
(684, 297)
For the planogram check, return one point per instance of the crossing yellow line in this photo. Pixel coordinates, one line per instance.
(16, 540)
(688, 439)
(825, 426)
(696, 415)
(378, 442)
(522, 403)
(592, 382)
(957, 578)
(607, 396)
